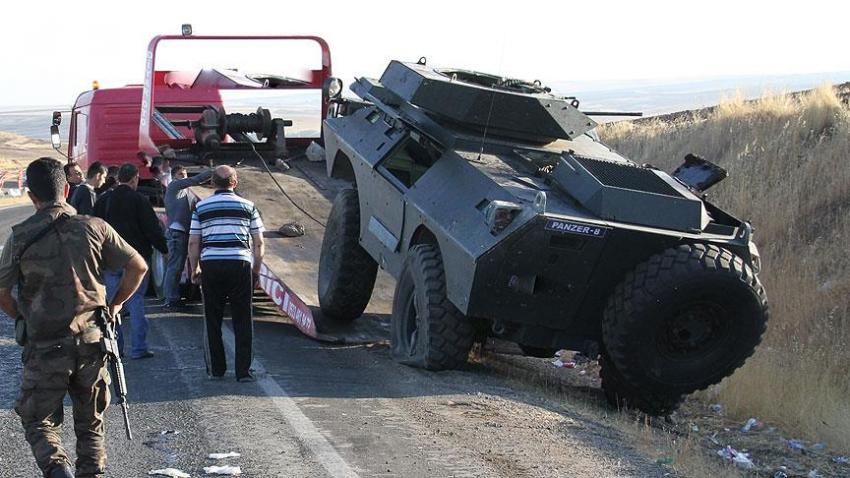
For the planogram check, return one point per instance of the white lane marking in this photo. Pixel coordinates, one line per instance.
(307, 432)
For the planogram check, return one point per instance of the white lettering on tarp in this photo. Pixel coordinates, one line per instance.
(288, 303)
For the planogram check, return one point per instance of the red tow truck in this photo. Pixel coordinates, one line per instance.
(215, 112)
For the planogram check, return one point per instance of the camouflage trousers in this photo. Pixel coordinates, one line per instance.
(52, 369)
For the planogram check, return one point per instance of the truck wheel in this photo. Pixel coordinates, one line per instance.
(427, 330)
(346, 271)
(539, 352)
(157, 271)
(622, 395)
(684, 319)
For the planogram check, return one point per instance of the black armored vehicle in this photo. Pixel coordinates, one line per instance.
(499, 212)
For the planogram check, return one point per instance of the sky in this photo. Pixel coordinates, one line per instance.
(52, 50)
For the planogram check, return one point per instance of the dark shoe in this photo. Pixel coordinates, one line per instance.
(62, 471)
(175, 305)
(144, 355)
(215, 378)
(246, 378)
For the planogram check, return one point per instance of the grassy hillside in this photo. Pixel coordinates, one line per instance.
(17, 151)
(788, 158)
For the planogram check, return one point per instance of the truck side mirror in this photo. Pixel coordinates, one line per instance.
(57, 118)
(332, 89)
(54, 137)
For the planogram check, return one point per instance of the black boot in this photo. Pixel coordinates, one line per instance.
(61, 471)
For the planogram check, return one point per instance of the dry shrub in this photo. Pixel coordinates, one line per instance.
(788, 157)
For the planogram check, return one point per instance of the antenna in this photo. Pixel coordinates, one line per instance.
(487, 124)
(492, 99)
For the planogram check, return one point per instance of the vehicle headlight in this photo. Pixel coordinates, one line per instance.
(500, 214)
(333, 88)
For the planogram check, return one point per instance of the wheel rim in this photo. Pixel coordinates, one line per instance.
(410, 327)
(693, 331)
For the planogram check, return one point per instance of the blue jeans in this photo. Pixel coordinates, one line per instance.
(135, 306)
(178, 246)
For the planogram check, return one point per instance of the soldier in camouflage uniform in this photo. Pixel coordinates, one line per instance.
(56, 261)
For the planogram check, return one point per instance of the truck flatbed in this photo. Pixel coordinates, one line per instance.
(289, 275)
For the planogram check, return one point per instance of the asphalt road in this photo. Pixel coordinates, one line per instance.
(319, 410)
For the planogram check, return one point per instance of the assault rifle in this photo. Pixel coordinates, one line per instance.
(109, 345)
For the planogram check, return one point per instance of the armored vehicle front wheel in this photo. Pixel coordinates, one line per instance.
(684, 320)
(620, 394)
(346, 271)
(427, 330)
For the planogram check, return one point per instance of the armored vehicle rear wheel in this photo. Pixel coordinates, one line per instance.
(427, 330)
(684, 320)
(620, 394)
(346, 271)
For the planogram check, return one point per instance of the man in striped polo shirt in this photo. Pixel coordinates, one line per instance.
(225, 253)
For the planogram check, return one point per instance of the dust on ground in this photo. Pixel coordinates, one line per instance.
(688, 441)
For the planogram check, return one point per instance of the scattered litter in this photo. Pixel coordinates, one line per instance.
(796, 445)
(841, 460)
(713, 438)
(315, 152)
(780, 474)
(559, 353)
(291, 229)
(814, 474)
(221, 456)
(583, 372)
(172, 472)
(716, 408)
(223, 470)
(170, 432)
(282, 165)
(741, 460)
(694, 428)
(819, 446)
(561, 364)
(752, 424)
(665, 460)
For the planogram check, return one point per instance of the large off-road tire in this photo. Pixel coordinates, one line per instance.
(346, 271)
(427, 329)
(684, 319)
(622, 395)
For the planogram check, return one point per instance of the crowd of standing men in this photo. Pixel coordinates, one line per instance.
(84, 256)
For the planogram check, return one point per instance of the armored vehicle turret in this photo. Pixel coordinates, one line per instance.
(499, 212)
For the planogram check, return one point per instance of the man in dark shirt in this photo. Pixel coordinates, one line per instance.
(132, 215)
(74, 176)
(85, 195)
(111, 180)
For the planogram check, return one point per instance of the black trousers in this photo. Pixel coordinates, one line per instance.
(222, 282)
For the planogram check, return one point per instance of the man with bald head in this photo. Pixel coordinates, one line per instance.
(225, 254)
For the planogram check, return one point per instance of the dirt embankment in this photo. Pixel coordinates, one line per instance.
(788, 174)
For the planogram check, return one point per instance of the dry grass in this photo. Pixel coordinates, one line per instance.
(17, 151)
(789, 162)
